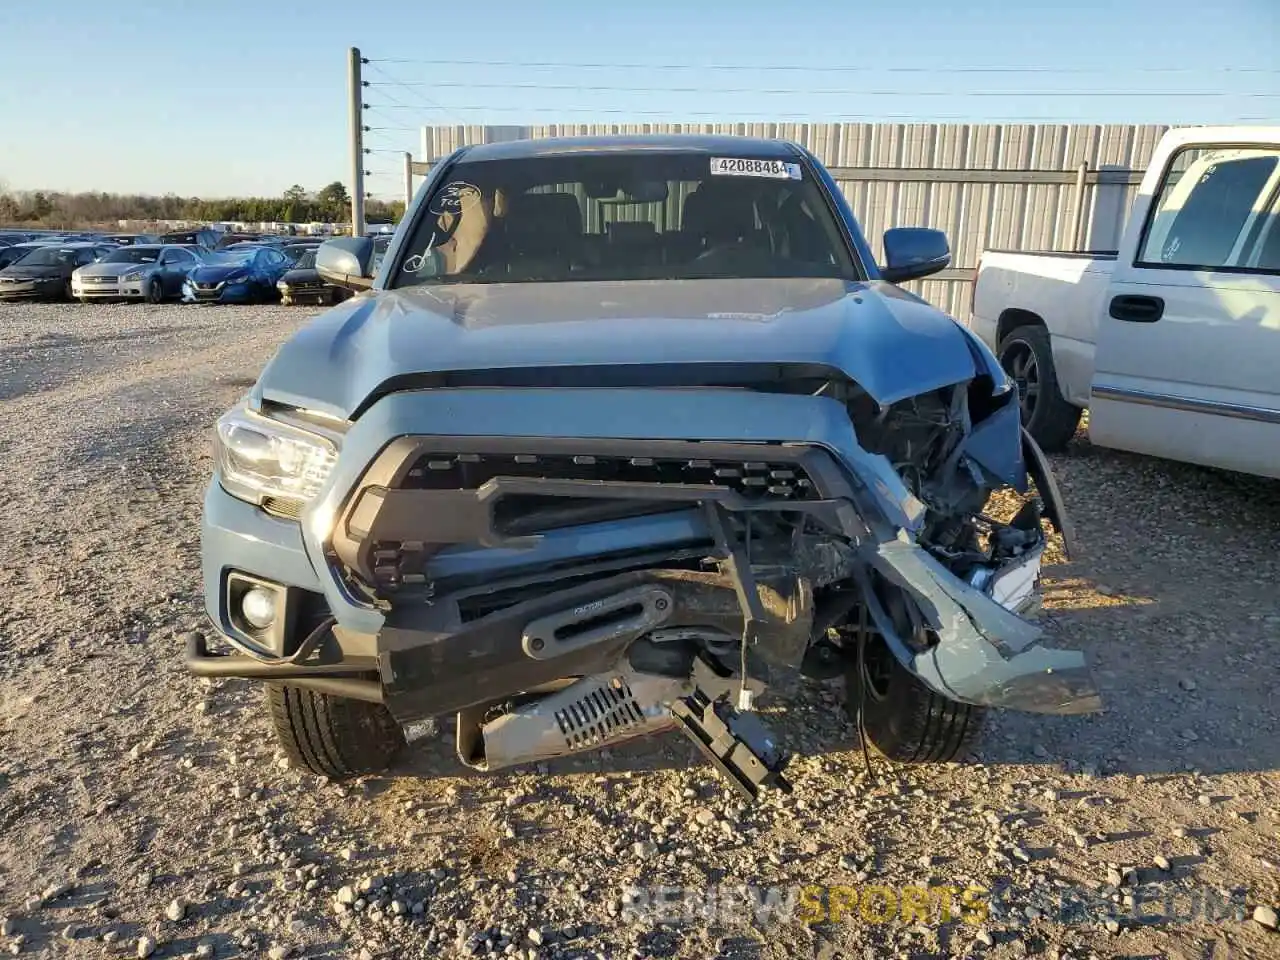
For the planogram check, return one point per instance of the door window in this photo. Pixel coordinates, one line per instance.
(1210, 209)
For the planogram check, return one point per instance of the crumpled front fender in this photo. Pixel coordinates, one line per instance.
(984, 654)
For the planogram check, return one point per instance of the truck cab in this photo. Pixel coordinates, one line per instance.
(1171, 342)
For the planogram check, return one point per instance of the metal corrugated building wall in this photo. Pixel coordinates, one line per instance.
(975, 216)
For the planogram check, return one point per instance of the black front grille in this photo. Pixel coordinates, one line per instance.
(755, 479)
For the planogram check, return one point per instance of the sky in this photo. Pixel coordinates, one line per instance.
(234, 98)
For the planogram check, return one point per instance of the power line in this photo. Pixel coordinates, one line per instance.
(808, 92)
(727, 116)
(380, 108)
(422, 98)
(810, 68)
(707, 114)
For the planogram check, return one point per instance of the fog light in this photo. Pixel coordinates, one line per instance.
(258, 607)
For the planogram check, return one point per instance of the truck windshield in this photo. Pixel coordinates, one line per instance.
(624, 216)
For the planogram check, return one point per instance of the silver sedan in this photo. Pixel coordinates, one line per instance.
(151, 272)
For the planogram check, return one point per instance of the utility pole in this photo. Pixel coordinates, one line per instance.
(408, 179)
(357, 142)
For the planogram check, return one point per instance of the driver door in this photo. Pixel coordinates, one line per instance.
(174, 267)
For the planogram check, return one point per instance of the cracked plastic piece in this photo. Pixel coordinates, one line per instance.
(984, 654)
(737, 744)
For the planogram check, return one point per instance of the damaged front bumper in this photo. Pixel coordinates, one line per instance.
(448, 547)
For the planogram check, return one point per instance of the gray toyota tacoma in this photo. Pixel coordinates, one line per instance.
(624, 433)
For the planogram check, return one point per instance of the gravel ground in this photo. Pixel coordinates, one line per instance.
(143, 812)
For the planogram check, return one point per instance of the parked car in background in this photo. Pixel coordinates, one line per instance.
(265, 239)
(131, 239)
(15, 252)
(1172, 341)
(303, 284)
(151, 272)
(294, 249)
(204, 237)
(380, 245)
(45, 273)
(230, 239)
(245, 275)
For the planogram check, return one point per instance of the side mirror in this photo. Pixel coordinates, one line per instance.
(346, 262)
(914, 252)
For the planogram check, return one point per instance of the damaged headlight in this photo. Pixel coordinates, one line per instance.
(258, 458)
(1012, 585)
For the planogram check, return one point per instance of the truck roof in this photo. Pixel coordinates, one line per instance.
(1224, 136)
(635, 142)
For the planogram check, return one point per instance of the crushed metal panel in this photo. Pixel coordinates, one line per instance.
(985, 654)
(995, 445)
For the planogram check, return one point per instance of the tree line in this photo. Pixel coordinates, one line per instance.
(52, 209)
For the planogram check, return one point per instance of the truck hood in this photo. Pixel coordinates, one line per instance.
(889, 342)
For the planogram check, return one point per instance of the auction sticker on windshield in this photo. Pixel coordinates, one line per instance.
(747, 167)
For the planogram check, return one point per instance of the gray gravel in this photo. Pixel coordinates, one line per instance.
(144, 811)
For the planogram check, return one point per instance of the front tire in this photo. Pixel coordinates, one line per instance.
(1027, 356)
(155, 292)
(333, 736)
(905, 721)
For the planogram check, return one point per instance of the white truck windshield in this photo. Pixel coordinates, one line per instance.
(1217, 209)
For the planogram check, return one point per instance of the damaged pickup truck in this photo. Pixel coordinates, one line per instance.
(625, 433)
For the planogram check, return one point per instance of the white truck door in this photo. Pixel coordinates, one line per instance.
(1188, 357)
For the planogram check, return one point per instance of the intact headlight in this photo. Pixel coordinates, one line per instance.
(133, 277)
(259, 458)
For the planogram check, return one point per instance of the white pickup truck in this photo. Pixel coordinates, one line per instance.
(1173, 341)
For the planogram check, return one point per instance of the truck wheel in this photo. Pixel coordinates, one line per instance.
(333, 736)
(904, 720)
(1027, 357)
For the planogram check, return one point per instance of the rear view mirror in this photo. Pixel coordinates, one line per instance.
(346, 262)
(914, 252)
(646, 191)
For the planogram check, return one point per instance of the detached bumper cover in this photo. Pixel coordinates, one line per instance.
(985, 654)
